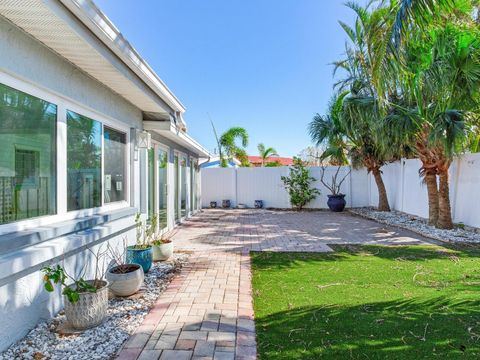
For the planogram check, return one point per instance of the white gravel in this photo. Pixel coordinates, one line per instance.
(420, 226)
(103, 341)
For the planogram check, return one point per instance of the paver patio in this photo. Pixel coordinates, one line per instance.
(206, 312)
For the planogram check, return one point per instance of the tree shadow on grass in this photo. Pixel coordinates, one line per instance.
(439, 328)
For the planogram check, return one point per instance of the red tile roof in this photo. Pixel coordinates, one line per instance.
(284, 161)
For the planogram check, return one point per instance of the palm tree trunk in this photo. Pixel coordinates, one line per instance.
(382, 192)
(433, 201)
(444, 208)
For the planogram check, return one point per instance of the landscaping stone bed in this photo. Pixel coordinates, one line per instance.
(419, 225)
(102, 342)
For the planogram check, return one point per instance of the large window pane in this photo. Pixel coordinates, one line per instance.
(114, 163)
(27, 156)
(84, 144)
(162, 188)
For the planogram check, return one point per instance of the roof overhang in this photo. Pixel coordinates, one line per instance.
(78, 31)
(171, 132)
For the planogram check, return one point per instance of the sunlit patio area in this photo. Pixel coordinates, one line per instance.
(207, 310)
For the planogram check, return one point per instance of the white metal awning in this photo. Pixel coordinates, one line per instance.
(170, 131)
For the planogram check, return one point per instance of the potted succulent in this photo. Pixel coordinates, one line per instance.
(336, 200)
(86, 301)
(124, 279)
(162, 247)
(141, 252)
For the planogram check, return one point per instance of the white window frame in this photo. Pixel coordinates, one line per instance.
(63, 104)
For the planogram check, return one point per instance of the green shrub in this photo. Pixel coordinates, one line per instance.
(298, 184)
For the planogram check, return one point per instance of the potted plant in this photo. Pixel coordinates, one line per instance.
(336, 200)
(162, 247)
(124, 279)
(141, 252)
(86, 301)
(258, 204)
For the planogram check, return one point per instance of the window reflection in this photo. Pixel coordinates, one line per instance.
(27, 156)
(84, 153)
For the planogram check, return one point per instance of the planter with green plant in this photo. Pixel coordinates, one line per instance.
(141, 252)
(124, 279)
(86, 301)
(336, 200)
(163, 247)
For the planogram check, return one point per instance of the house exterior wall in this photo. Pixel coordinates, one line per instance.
(27, 65)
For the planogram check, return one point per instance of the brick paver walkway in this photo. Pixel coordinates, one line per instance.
(206, 312)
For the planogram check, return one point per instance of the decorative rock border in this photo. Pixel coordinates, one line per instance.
(102, 342)
(419, 225)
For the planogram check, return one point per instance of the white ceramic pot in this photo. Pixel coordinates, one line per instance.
(90, 309)
(125, 284)
(163, 251)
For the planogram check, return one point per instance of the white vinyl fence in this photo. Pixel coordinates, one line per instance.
(405, 189)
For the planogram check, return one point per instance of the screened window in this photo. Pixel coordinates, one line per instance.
(114, 163)
(84, 144)
(27, 156)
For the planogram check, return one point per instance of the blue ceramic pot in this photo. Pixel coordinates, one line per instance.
(142, 257)
(336, 203)
(258, 204)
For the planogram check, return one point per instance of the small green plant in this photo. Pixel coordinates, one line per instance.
(54, 275)
(165, 238)
(298, 184)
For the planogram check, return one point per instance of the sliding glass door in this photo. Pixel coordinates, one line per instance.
(176, 181)
(183, 182)
(162, 188)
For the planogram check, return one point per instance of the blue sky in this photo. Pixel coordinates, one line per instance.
(260, 64)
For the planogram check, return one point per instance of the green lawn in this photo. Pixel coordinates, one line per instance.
(368, 302)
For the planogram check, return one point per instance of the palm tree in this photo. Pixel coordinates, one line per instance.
(265, 152)
(346, 131)
(229, 149)
(353, 126)
(438, 77)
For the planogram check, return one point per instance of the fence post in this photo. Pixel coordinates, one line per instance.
(235, 185)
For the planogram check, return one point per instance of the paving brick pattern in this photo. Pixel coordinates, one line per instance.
(206, 312)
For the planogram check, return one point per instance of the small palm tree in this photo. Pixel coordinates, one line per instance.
(229, 149)
(266, 153)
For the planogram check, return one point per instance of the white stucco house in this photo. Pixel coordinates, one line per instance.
(89, 136)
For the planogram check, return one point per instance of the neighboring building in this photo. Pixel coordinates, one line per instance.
(214, 162)
(78, 106)
(256, 161)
